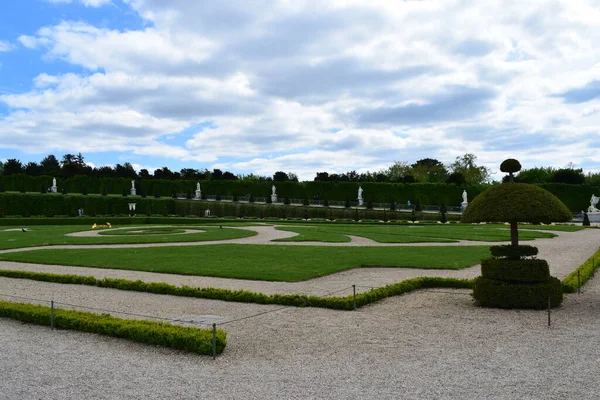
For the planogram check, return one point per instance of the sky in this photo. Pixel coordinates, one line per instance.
(302, 86)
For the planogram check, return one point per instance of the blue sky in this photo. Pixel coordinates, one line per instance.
(257, 86)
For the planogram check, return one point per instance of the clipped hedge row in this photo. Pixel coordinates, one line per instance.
(28, 204)
(427, 193)
(244, 296)
(513, 252)
(95, 207)
(526, 270)
(502, 294)
(149, 332)
(586, 272)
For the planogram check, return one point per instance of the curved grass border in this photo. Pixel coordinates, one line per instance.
(586, 272)
(186, 338)
(569, 285)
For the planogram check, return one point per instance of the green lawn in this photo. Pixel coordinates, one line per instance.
(409, 233)
(55, 234)
(260, 262)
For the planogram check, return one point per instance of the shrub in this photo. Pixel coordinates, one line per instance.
(585, 272)
(347, 203)
(510, 166)
(251, 199)
(392, 205)
(305, 201)
(520, 271)
(165, 212)
(125, 193)
(235, 197)
(218, 197)
(269, 201)
(370, 205)
(325, 202)
(188, 195)
(84, 191)
(43, 189)
(443, 218)
(103, 191)
(286, 201)
(513, 252)
(149, 211)
(501, 294)
(154, 333)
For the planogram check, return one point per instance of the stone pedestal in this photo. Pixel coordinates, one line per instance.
(360, 202)
(198, 194)
(274, 198)
(133, 192)
(464, 205)
(53, 189)
(594, 216)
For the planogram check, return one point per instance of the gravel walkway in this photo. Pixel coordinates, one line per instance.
(430, 344)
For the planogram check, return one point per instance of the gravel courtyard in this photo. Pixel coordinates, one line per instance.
(430, 344)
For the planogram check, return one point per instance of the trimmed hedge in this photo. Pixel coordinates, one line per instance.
(516, 202)
(149, 332)
(501, 294)
(525, 271)
(244, 296)
(586, 272)
(514, 252)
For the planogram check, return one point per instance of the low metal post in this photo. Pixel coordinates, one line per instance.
(578, 282)
(548, 311)
(52, 314)
(214, 341)
(354, 296)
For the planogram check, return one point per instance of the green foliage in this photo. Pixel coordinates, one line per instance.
(568, 175)
(472, 173)
(514, 252)
(501, 294)
(325, 202)
(586, 271)
(347, 203)
(149, 332)
(244, 296)
(418, 205)
(286, 201)
(517, 271)
(510, 166)
(443, 218)
(535, 175)
(516, 202)
(305, 201)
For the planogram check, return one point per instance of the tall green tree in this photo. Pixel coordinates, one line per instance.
(473, 173)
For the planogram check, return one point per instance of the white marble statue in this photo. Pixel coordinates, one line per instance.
(132, 184)
(464, 196)
(273, 190)
(54, 182)
(593, 202)
(360, 192)
(197, 185)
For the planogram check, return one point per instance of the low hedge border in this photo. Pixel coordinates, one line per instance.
(586, 271)
(569, 285)
(143, 331)
(244, 296)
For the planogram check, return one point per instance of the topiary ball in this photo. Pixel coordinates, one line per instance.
(510, 166)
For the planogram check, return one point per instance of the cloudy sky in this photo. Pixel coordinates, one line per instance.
(300, 85)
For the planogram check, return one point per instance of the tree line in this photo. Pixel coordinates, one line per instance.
(464, 170)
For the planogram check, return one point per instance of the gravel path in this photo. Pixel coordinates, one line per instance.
(430, 344)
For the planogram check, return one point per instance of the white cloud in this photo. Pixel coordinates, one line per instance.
(87, 3)
(304, 87)
(5, 46)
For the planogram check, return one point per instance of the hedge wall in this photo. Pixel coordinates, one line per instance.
(52, 205)
(427, 193)
(155, 333)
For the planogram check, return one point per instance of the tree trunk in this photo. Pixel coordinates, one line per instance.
(514, 234)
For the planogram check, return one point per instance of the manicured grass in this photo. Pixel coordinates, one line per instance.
(141, 231)
(560, 228)
(260, 262)
(409, 233)
(55, 235)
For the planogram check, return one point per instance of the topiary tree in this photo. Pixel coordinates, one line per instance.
(510, 279)
(443, 211)
(418, 205)
(325, 202)
(510, 166)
